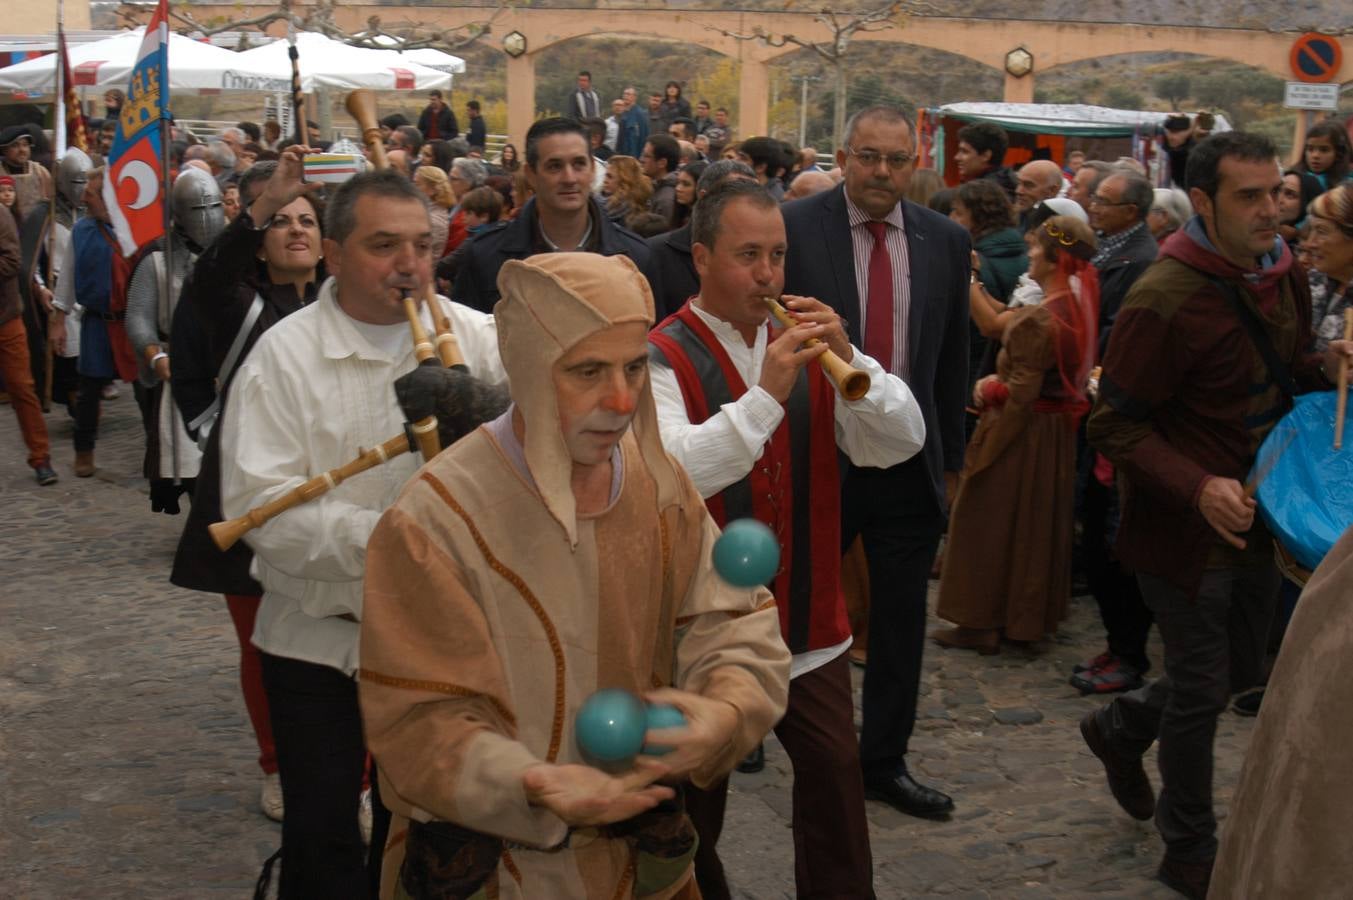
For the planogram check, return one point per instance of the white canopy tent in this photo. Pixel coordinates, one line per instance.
(1064, 118)
(425, 56)
(328, 63)
(193, 66)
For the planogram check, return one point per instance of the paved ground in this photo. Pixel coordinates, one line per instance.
(128, 767)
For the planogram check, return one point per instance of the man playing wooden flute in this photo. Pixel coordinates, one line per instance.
(316, 389)
(554, 551)
(757, 425)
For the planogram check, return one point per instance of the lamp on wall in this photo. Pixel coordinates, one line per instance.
(514, 44)
(1019, 62)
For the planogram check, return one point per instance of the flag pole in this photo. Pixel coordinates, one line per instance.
(166, 207)
(297, 100)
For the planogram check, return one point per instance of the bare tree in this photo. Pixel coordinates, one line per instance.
(842, 28)
(320, 17)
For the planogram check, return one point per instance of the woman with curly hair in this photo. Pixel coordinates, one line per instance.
(626, 188)
(1011, 574)
(437, 153)
(434, 184)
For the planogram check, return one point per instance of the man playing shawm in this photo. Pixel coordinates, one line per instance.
(553, 552)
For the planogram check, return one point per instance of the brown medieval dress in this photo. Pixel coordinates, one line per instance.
(1287, 834)
(1007, 565)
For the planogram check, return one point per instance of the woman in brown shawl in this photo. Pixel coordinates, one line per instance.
(1007, 567)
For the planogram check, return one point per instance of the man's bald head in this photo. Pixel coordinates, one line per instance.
(806, 184)
(1040, 179)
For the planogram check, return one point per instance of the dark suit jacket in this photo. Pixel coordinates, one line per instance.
(672, 274)
(821, 263)
(476, 283)
(1117, 275)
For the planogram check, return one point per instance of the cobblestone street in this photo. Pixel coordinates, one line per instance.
(128, 766)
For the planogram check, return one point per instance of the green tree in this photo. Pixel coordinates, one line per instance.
(1227, 89)
(1172, 86)
(1121, 96)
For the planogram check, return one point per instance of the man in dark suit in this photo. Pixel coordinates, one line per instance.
(898, 273)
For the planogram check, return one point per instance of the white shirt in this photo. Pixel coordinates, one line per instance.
(312, 394)
(881, 429)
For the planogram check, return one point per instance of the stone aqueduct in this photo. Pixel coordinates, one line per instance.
(987, 41)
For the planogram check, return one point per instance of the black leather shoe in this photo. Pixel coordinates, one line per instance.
(753, 762)
(905, 794)
(1127, 776)
(1189, 878)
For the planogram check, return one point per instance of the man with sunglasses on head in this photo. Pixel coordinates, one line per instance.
(898, 274)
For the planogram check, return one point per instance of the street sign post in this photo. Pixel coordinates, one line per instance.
(1315, 57)
(1300, 95)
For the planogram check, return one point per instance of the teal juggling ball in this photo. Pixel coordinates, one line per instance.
(746, 554)
(662, 715)
(610, 728)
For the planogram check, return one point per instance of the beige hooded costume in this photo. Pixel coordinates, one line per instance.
(1287, 834)
(493, 610)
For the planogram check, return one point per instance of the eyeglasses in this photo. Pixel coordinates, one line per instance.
(1097, 200)
(870, 158)
(1058, 235)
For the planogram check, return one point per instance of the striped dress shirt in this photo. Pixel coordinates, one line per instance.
(862, 241)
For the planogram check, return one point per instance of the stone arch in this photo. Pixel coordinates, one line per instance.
(1052, 43)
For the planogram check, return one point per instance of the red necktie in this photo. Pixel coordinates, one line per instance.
(878, 316)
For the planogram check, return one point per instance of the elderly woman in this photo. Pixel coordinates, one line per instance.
(466, 174)
(1169, 211)
(1331, 251)
(434, 184)
(626, 188)
(1011, 574)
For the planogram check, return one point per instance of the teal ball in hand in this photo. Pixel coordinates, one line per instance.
(746, 554)
(610, 728)
(661, 715)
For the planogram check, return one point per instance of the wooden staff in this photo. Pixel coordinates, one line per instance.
(851, 383)
(361, 105)
(1341, 399)
(225, 534)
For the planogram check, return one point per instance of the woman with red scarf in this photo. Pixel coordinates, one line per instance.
(1007, 567)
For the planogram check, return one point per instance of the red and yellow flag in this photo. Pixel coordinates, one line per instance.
(75, 119)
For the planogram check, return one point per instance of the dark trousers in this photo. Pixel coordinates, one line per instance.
(895, 512)
(1126, 617)
(317, 730)
(1214, 647)
(831, 836)
(88, 397)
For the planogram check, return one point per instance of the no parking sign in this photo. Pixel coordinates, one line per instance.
(1315, 57)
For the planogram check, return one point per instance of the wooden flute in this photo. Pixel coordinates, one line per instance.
(225, 534)
(850, 382)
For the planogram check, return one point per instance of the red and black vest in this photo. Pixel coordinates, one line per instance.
(794, 487)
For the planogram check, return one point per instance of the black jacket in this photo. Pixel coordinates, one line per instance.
(821, 263)
(206, 321)
(1116, 277)
(446, 123)
(478, 132)
(672, 271)
(477, 275)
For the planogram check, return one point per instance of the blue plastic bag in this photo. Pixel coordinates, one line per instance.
(1306, 497)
